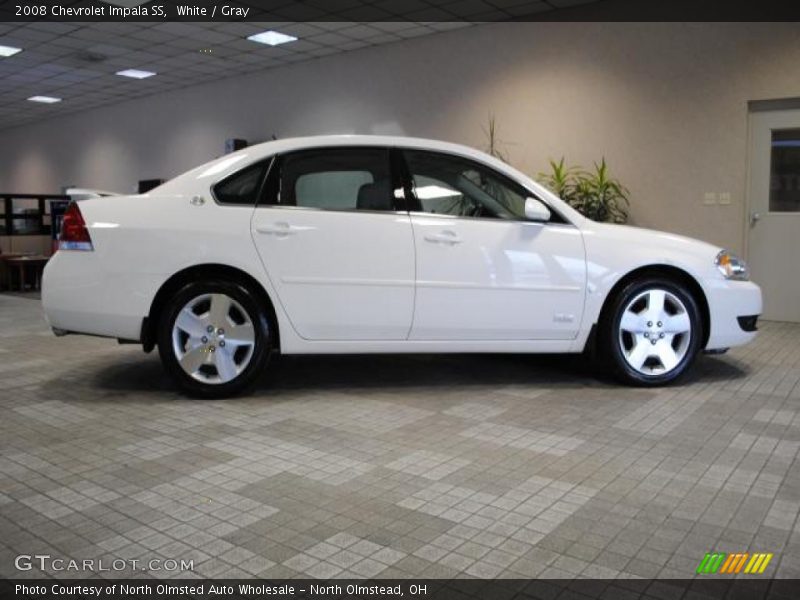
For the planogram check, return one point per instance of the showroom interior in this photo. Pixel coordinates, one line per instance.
(406, 466)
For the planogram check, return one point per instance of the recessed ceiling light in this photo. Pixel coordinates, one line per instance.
(136, 73)
(272, 38)
(44, 99)
(9, 50)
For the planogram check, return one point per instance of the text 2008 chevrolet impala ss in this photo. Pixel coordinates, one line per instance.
(361, 244)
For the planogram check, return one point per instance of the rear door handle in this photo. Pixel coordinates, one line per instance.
(445, 237)
(281, 229)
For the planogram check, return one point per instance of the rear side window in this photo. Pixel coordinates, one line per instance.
(243, 186)
(337, 179)
(331, 189)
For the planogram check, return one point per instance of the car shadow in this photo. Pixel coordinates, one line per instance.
(423, 370)
(717, 368)
(144, 378)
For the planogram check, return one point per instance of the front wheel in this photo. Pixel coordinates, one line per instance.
(652, 332)
(214, 338)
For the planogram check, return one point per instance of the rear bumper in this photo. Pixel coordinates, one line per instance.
(734, 307)
(79, 296)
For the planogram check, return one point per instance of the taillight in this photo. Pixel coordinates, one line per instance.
(74, 234)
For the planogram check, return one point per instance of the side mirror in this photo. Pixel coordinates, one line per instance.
(535, 210)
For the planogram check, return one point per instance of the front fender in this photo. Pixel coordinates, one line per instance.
(613, 252)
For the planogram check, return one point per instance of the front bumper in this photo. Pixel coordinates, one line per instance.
(748, 323)
(734, 307)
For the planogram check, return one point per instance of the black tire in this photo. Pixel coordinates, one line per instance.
(611, 341)
(261, 348)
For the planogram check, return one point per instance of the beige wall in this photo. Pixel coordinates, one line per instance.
(666, 104)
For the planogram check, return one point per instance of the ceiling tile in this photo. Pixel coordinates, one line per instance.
(334, 25)
(329, 39)
(299, 30)
(30, 35)
(360, 31)
(53, 27)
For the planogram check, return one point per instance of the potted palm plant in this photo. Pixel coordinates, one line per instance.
(595, 194)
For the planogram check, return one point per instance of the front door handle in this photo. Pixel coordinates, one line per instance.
(754, 218)
(281, 229)
(445, 237)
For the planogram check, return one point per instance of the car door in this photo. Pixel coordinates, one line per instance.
(484, 272)
(337, 244)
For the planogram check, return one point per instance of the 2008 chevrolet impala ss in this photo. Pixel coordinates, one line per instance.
(362, 244)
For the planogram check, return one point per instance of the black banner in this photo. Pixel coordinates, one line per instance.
(460, 589)
(397, 10)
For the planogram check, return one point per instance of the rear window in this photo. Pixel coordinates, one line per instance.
(334, 179)
(243, 186)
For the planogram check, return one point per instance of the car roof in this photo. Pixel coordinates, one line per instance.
(266, 149)
(297, 143)
(222, 166)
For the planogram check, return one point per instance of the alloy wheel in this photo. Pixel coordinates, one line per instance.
(213, 338)
(655, 332)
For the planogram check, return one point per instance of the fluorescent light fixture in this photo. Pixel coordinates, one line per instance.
(9, 50)
(272, 38)
(44, 99)
(136, 73)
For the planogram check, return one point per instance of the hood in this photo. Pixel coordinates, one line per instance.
(649, 238)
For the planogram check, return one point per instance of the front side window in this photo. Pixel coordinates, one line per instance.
(451, 185)
(243, 186)
(337, 179)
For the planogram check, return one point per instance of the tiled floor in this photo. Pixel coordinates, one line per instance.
(485, 466)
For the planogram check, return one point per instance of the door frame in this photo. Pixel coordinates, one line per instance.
(755, 108)
(772, 225)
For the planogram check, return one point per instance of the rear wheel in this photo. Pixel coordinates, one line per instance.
(214, 338)
(652, 332)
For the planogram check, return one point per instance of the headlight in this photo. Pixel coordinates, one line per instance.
(731, 266)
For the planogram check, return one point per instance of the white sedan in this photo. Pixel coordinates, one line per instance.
(362, 244)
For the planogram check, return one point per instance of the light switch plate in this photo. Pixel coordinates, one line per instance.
(710, 198)
(724, 198)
